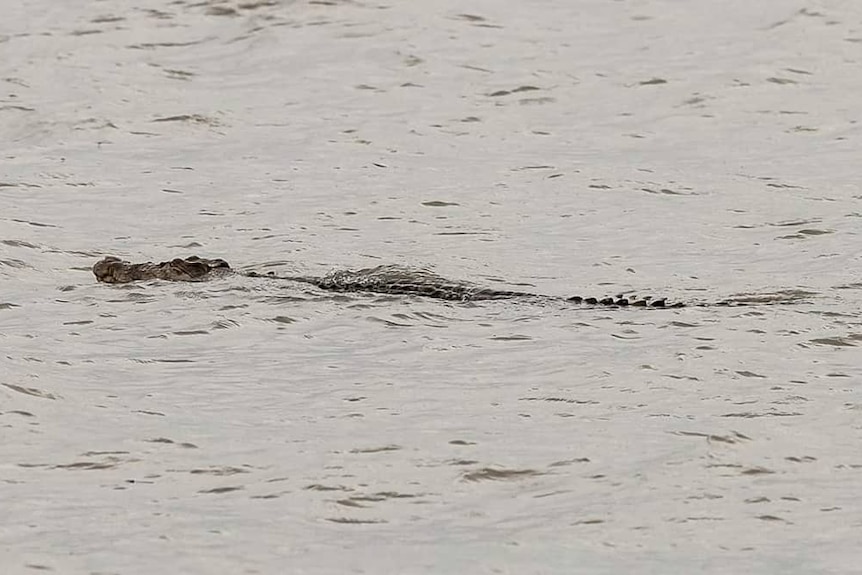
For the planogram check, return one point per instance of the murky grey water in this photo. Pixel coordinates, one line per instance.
(592, 147)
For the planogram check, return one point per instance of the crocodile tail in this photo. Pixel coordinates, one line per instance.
(621, 301)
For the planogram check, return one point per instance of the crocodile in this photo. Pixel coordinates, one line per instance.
(386, 279)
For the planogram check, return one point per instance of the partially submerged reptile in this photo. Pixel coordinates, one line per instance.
(382, 279)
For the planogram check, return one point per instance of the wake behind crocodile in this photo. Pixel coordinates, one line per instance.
(391, 279)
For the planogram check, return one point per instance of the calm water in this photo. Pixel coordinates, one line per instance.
(252, 426)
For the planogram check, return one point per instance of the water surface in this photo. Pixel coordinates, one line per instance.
(255, 426)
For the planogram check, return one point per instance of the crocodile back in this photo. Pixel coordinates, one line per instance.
(393, 279)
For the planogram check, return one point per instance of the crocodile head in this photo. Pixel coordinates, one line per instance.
(110, 270)
(114, 270)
